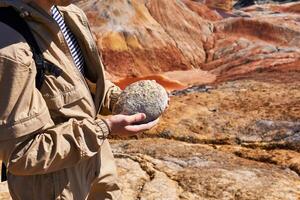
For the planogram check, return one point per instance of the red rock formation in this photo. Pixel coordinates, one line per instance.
(220, 4)
(144, 39)
(293, 8)
(174, 80)
(138, 38)
(169, 84)
(203, 11)
(265, 42)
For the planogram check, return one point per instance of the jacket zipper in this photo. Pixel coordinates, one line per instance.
(94, 50)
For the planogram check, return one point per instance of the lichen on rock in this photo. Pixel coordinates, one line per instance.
(142, 97)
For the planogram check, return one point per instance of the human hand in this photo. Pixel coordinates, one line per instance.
(124, 125)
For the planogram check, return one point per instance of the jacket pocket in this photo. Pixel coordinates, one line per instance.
(58, 92)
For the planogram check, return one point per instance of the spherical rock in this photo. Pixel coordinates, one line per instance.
(145, 96)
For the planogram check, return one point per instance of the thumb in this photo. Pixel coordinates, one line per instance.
(136, 118)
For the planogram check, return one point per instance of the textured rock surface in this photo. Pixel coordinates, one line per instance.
(244, 3)
(142, 97)
(220, 4)
(192, 171)
(141, 38)
(237, 140)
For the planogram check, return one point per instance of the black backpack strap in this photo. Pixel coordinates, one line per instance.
(12, 18)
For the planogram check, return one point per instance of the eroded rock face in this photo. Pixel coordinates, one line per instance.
(142, 97)
(245, 3)
(139, 38)
(220, 4)
(142, 38)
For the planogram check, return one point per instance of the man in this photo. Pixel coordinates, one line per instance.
(51, 140)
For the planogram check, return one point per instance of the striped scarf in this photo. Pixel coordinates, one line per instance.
(70, 39)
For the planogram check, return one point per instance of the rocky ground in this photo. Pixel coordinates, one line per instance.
(239, 140)
(4, 194)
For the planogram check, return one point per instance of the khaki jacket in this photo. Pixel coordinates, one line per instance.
(56, 127)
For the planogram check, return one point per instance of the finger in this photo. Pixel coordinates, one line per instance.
(142, 127)
(135, 118)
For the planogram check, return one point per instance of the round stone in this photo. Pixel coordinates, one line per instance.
(144, 96)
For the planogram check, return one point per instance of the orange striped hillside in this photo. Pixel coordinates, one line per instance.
(220, 4)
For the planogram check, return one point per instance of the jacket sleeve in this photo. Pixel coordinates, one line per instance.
(111, 97)
(112, 93)
(57, 148)
(43, 147)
